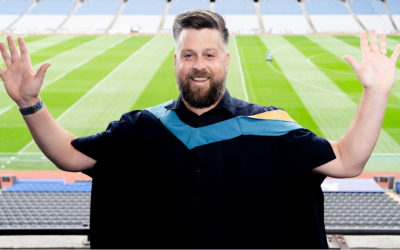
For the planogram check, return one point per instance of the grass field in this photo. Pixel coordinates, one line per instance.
(94, 79)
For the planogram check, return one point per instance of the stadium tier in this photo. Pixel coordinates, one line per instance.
(141, 16)
(372, 15)
(46, 16)
(240, 15)
(51, 206)
(180, 6)
(283, 16)
(394, 8)
(92, 16)
(331, 16)
(10, 10)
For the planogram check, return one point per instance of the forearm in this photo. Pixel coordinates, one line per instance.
(55, 142)
(356, 145)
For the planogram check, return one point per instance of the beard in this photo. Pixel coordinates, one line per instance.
(201, 96)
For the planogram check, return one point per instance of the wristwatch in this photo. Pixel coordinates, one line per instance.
(33, 109)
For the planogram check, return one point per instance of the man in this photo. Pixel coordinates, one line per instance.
(207, 170)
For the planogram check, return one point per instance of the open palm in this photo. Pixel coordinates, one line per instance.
(22, 83)
(376, 71)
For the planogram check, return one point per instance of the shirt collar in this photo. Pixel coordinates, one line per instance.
(226, 102)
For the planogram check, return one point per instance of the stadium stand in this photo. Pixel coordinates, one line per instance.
(394, 8)
(10, 10)
(140, 16)
(92, 17)
(180, 6)
(331, 16)
(45, 17)
(283, 16)
(359, 206)
(51, 206)
(372, 14)
(240, 15)
(45, 206)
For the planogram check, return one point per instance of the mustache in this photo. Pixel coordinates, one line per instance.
(198, 74)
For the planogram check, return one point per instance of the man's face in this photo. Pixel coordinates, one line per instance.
(201, 65)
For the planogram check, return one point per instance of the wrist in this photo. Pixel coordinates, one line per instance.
(28, 103)
(32, 109)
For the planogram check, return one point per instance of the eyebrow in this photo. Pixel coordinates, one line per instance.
(190, 50)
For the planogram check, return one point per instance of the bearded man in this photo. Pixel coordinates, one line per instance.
(207, 170)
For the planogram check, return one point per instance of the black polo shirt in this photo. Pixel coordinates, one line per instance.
(150, 191)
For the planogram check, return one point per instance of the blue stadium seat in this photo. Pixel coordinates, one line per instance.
(367, 7)
(48, 185)
(99, 7)
(13, 7)
(235, 7)
(53, 7)
(397, 186)
(394, 6)
(180, 6)
(326, 7)
(140, 7)
(280, 7)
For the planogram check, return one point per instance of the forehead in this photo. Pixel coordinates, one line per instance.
(193, 39)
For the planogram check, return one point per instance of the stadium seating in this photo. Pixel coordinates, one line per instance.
(394, 8)
(331, 16)
(45, 206)
(46, 16)
(93, 16)
(240, 15)
(143, 16)
(10, 10)
(51, 206)
(283, 16)
(347, 212)
(354, 206)
(180, 6)
(372, 15)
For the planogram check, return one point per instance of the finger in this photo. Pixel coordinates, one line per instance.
(13, 49)
(353, 62)
(42, 71)
(364, 43)
(374, 40)
(5, 55)
(382, 44)
(24, 50)
(396, 53)
(1, 71)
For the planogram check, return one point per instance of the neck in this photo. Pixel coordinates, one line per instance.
(200, 111)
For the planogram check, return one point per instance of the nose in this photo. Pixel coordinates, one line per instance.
(199, 64)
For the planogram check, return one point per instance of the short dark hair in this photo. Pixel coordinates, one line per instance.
(200, 19)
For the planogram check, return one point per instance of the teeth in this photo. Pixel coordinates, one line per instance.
(200, 79)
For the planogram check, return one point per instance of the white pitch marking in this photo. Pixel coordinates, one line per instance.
(7, 109)
(241, 71)
(92, 89)
(65, 73)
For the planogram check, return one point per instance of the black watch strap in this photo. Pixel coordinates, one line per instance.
(33, 109)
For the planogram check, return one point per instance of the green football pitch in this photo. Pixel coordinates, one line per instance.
(95, 79)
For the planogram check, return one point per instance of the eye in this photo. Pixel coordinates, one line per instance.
(187, 56)
(210, 56)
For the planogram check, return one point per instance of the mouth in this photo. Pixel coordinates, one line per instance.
(199, 79)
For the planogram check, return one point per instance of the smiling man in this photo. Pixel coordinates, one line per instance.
(207, 170)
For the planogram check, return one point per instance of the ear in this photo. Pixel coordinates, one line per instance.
(227, 60)
(175, 59)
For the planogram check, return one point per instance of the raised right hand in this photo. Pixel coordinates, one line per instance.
(22, 83)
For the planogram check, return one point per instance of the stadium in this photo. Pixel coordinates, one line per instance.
(110, 57)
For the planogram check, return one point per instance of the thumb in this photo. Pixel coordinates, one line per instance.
(353, 62)
(42, 71)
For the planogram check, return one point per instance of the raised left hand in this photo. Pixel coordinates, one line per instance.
(376, 71)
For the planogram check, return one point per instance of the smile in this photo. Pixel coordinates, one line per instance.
(200, 79)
